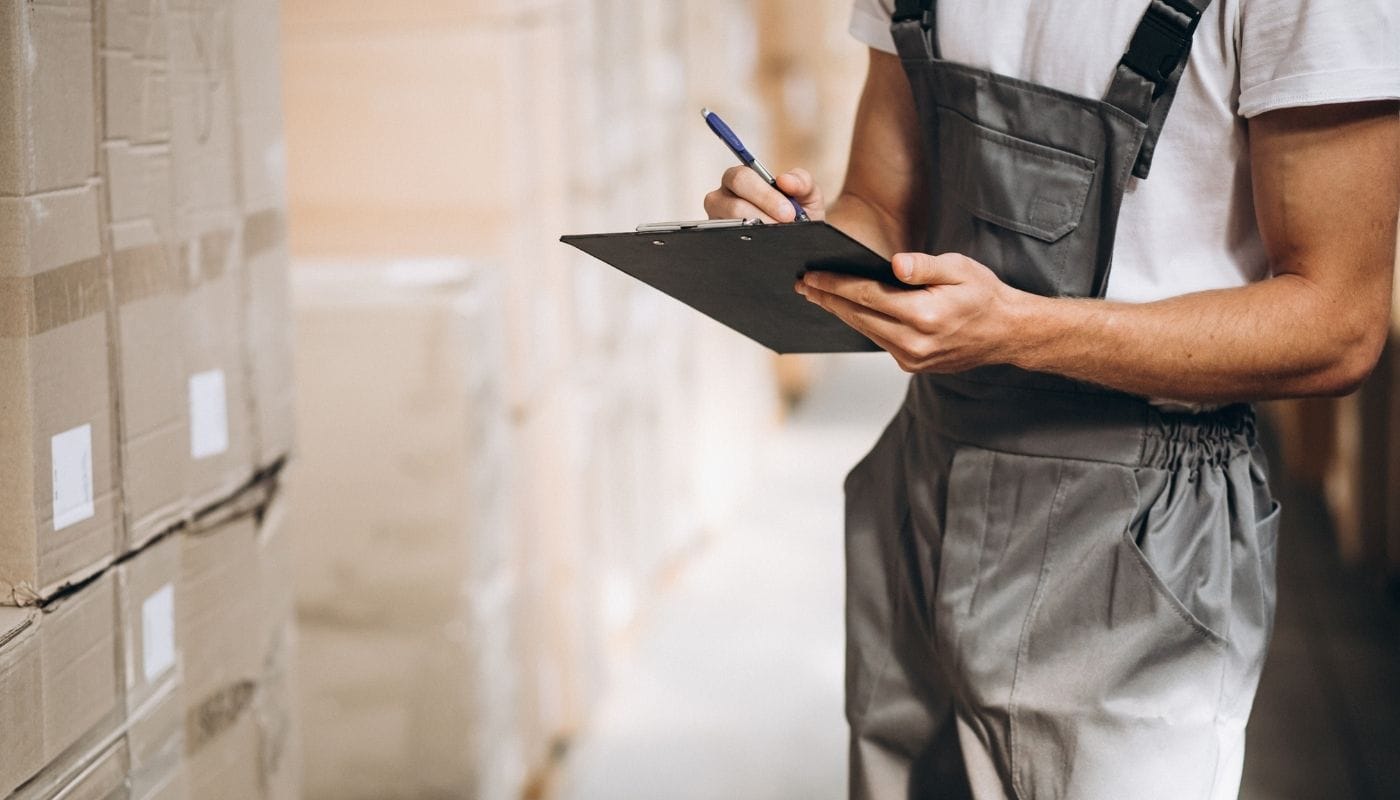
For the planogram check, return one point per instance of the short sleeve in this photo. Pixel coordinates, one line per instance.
(870, 23)
(1315, 52)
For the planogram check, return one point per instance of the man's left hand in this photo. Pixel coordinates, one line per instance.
(955, 315)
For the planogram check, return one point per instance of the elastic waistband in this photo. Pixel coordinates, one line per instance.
(1089, 426)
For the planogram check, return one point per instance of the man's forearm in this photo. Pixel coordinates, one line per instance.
(1280, 337)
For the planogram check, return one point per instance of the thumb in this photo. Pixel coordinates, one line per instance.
(800, 186)
(922, 269)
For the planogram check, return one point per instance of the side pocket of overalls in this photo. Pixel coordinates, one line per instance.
(1022, 199)
(1181, 543)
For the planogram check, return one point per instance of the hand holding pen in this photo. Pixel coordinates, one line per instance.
(752, 191)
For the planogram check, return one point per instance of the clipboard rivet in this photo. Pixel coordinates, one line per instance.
(746, 238)
(658, 242)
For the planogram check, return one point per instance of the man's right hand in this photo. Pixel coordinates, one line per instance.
(744, 195)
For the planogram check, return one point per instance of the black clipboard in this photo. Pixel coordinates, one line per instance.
(742, 276)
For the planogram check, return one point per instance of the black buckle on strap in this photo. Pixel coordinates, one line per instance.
(1162, 41)
(924, 18)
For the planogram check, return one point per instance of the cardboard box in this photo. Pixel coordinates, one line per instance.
(208, 230)
(47, 128)
(276, 562)
(260, 177)
(350, 16)
(155, 433)
(241, 736)
(99, 774)
(219, 624)
(56, 444)
(201, 101)
(276, 714)
(268, 338)
(58, 685)
(261, 151)
(219, 457)
(173, 784)
(134, 54)
(393, 521)
(560, 600)
(57, 525)
(21, 702)
(137, 167)
(150, 660)
(411, 713)
(402, 534)
(235, 623)
(256, 751)
(481, 173)
(465, 168)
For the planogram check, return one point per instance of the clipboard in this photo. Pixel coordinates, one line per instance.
(742, 275)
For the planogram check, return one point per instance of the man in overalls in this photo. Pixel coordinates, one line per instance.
(1060, 553)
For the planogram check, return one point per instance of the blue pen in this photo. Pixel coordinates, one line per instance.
(746, 158)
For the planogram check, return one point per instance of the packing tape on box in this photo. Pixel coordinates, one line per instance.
(51, 299)
(264, 231)
(205, 258)
(142, 272)
(217, 713)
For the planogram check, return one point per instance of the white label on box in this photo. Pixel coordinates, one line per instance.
(72, 476)
(208, 414)
(158, 632)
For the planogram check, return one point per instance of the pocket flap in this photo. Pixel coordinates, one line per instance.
(1021, 185)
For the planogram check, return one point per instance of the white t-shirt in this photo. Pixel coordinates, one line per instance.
(1190, 225)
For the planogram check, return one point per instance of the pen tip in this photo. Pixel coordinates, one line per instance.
(705, 112)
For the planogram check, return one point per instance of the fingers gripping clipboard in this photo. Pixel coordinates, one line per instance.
(742, 276)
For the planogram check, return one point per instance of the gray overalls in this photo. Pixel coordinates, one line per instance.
(1053, 590)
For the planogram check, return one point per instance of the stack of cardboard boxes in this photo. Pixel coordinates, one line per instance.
(143, 389)
(504, 446)
(406, 582)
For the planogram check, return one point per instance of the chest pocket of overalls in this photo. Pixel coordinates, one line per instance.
(1015, 205)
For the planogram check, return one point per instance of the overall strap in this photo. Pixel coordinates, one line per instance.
(915, 29)
(1144, 83)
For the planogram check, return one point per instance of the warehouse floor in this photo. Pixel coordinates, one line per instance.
(733, 686)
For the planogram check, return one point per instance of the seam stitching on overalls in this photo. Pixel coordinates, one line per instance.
(879, 674)
(1124, 175)
(1225, 655)
(1051, 152)
(982, 538)
(1084, 103)
(1215, 720)
(1049, 390)
(1210, 635)
(998, 451)
(1026, 628)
